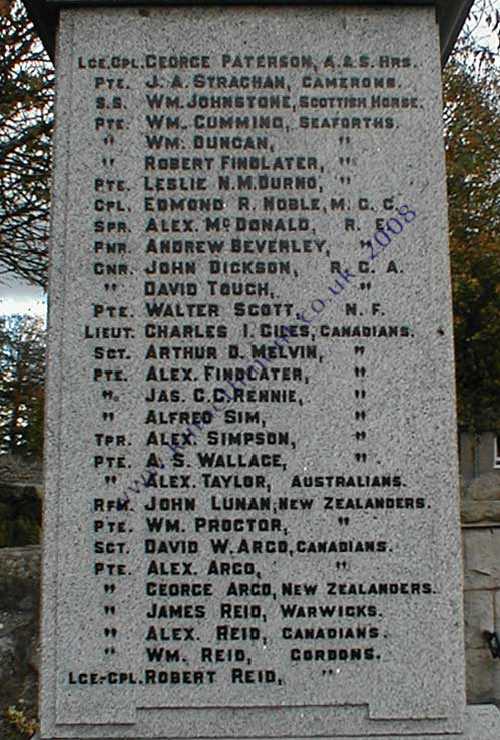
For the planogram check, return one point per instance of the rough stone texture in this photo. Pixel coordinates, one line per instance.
(480, 674)
(481, 499)
(480, 723)
(19, 650)
(481, 566)
(477, 458)
(475, 512)
(495, 669)
(19, 579)
(19, 614)
(20, 563)
(497, 605)
(486, 487)
(16, 469)
(482, 611)
(479, 616)
(399, 688)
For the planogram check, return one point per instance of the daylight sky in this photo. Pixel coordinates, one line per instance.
(18, 297)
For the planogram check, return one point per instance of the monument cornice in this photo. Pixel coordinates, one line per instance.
(451, 15)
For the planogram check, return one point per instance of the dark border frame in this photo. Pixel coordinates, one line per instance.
(451, 14)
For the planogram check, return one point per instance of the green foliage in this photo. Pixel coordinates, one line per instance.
(472, 130)
(22, 369)
(18, 724)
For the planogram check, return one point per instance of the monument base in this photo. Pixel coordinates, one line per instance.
(482, 722)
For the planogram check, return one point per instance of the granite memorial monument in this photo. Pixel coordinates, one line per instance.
(251, 518)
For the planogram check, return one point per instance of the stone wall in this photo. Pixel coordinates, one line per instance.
(477, 456)
(21, 495)
(19, 614)
(481, 541)
(20, 582)
(482, 611)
